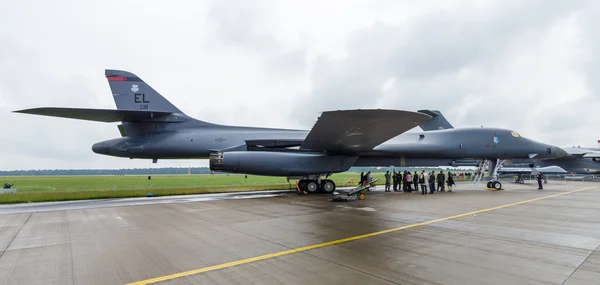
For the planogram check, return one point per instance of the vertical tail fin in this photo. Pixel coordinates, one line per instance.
(131, 93)
(437, 122)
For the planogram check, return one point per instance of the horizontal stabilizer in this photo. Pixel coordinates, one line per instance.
(98, 115)
(351, 131)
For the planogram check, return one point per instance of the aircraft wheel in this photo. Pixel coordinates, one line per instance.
(328, 186)
(362, 196)
(497, 185)
(489, 184)
(312, 186)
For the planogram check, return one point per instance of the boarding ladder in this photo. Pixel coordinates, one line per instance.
(483, 165)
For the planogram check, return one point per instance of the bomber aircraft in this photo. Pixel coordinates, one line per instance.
(578, 160)
(153, 128)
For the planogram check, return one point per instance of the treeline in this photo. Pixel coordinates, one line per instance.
(131, 171)
(164, 171)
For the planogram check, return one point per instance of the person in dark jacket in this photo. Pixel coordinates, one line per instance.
(450, 181)
(395, 180)
(441, 178)
(416, 181)
(539, 179)
(431, 182)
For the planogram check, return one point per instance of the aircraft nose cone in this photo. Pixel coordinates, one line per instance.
(100, 148)
(560, 152)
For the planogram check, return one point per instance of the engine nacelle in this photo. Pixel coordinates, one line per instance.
(273, 163)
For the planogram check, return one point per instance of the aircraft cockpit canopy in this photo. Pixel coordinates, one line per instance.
(515, 134)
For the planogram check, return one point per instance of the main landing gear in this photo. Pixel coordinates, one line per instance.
(312, 184)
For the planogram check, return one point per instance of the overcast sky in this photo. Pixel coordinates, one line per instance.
(531, 66)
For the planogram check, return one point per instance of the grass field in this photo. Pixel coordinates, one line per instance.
(62, 188)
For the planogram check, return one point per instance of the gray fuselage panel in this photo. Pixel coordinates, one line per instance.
(442, 144)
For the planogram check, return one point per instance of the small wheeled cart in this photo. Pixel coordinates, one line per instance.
(357, 192)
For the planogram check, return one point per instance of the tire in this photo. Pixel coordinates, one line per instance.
(312, 186)
(497, 185)
(489, 184)
(328, 186)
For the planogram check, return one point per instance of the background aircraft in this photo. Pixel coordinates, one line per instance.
(577, 161)
(153, 128)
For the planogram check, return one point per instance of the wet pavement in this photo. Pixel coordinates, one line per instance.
(470, 236)
(120, 202)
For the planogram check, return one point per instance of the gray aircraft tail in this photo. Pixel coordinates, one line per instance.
(437, 122)
(131, 93)
(140, 108)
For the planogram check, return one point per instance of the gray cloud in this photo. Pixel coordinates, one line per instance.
(525, 65)
(478, 69)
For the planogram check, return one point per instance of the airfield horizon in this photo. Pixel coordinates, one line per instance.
(79, 187)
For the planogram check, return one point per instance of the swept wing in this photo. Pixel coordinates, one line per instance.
(353, 131)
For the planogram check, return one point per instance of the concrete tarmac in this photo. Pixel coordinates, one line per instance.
(120, 202)
(470, 236)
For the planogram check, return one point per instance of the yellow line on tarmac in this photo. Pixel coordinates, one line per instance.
(314, 246)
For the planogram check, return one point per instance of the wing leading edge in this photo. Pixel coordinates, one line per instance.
(352, 131)
(98, 115)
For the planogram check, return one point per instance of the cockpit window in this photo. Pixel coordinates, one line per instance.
(515, 134)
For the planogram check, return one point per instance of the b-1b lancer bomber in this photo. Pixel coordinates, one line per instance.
(153, 128)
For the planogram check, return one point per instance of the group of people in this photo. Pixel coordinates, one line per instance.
(365, 178)
(406, 181)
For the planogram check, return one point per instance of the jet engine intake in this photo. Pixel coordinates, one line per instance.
(274, 163)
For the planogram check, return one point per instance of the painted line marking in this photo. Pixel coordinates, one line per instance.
(344, 240)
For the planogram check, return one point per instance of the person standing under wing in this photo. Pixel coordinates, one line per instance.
(422, 179)
(416, 181)
(387, 181)
(431, 182)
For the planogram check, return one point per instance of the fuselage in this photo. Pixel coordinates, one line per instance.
(199, 143)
